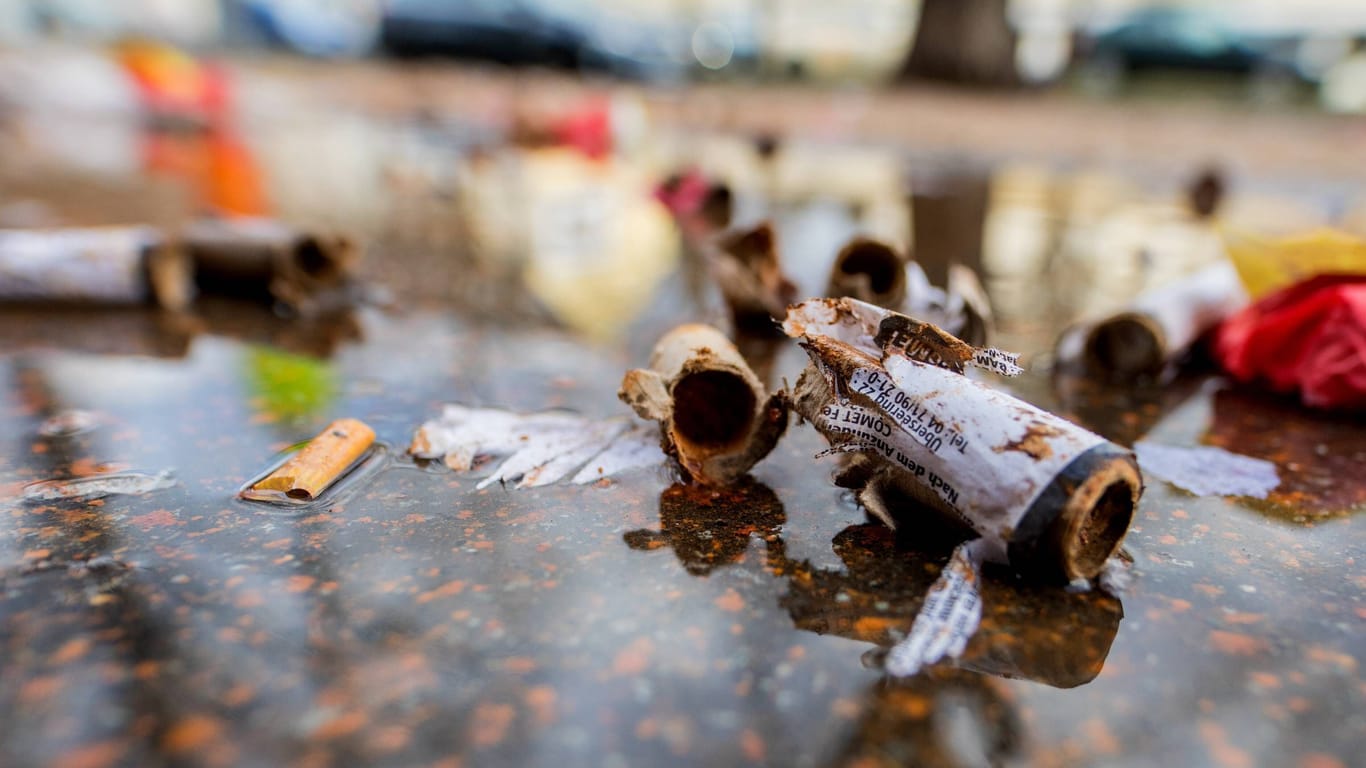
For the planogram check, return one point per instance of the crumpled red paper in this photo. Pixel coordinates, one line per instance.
(1308, 338)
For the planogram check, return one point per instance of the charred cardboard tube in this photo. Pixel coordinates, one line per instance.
(715, 417)
(99, 265)
(1159, 327)
(968, 298)
(748, 272)
(1050, 498)
(871, 271)
(266, 260)
(325, 459)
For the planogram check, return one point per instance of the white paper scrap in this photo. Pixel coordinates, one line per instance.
(949, 617)
(99, 486)
(537, 448)
(1207, 470)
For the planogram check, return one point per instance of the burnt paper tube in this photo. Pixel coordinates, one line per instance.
(874, 272)
(1158, 327)
(266, 260)
(749, 274)
(1046, 496)
(99, 265)
(869, 271)
(715, 417)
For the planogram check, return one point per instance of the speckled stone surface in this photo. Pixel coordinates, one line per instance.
(417, 621)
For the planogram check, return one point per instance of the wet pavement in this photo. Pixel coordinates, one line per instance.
(415, 620)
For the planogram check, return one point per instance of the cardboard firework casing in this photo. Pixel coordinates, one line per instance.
(748, 272)
(715, 417)
(869, 271)
(1046, 496)
(96, 265)
(266, 260)
(1158, 327)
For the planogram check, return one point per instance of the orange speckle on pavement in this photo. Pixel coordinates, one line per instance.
(343, 724)
(97, 755)
(1319, 760)
(191, 733)
(519, 665)
(299, 583)
(752, 745)
(39, 689)
(1236, 643)
(490, 724)
(1321, 655)
(634, 658)
(1224, 753)
(1100, 736)
(449, 589)
(157, 518)
(71, 650)
(542, 701)
(730, 601)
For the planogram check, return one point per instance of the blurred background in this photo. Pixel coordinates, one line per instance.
(1307, 51)
(510, 154)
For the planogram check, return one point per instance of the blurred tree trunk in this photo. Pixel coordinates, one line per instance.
(963, 41)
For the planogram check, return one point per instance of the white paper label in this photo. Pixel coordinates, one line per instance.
(984, 453)
(95, 264)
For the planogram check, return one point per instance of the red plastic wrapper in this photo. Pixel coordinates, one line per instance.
(1308, 338)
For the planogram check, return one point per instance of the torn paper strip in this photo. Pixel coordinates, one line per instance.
(538, 448)
(99, 486)
(949, 617)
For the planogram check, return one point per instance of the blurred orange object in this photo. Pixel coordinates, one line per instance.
(174, 83)
(215, 164)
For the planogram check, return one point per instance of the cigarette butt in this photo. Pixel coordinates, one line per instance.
(869, 271)
(321, 462)
(715, 417)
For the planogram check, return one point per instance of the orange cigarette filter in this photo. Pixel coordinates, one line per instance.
(321, 462)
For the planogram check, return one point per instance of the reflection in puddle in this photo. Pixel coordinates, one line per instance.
(710, 528)
(1052, 636)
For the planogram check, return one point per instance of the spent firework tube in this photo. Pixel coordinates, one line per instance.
(267, 260)
(98, 265)
(1158, 327)
(715, 417)
(1044, 495)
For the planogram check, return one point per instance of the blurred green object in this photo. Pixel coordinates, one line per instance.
(287, 386)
